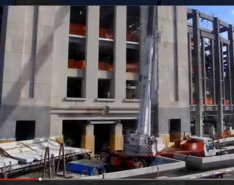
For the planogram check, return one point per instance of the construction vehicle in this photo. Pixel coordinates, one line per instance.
(197, 146)
(142, 143)
(201, 147)
(141, 147)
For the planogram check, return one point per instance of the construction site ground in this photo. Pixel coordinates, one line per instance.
(183, 173)
(178, 175)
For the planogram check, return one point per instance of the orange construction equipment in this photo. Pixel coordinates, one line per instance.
(106, 33)
(194, 101)
(209, 101)
(74, 64)
(226, 102)
(77, 29)
(226, 133)
(105, 66)
(197, 146)
(133, 36)
(120, 160)
(81, 64)
(134, 68)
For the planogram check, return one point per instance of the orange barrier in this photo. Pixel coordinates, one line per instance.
(81, 64)
(105, 33)
(226, 102)
(76, 64)
(194, 101)
(226, 133)
(209, 101)
(134, 68)
(105, 66)
(133, 36)
(77, 29)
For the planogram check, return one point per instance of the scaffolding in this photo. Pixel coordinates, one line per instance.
(211, 70)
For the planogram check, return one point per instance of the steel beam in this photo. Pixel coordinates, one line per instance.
(207, 34)
(207, 17)
(213, 71)
(198, 75)
(229, 74)
(231, 56)
(225, 41)
(223, 29)
(219, 77)
(203, 68)
(223, 23)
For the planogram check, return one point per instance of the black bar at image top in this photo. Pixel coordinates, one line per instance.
(80, 2)
(116, 2)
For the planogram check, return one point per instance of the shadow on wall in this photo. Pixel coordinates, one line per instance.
(46, 48)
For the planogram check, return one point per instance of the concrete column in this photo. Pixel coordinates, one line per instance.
(88, 138)
(198, 76)
(116, 140)
(219, 77)
(173, 84)
(165, 138)
(120, 52)
(92, 43)
(56, 126)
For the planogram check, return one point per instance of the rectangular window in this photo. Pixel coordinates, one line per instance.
(106, 57)
(175, 125)
(74, 87)
(76, 55)
(78, 20)
(132, 89)
(25, 130)
(175, 130)
(133, 23)
(104, 88)
(132, 60)
(106, 22)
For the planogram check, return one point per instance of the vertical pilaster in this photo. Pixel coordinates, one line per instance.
(88, 138)
(116, 140)
(120, 52)
(92, 46)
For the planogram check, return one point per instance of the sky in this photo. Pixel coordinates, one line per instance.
(225, 13)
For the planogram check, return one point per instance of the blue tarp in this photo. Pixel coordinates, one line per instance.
(85, 166)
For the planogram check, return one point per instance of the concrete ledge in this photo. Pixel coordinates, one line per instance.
(132, 100)
(151, 171)
(74, 99)
(104, 99)
(202, 163)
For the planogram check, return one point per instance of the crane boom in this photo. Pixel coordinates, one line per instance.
(142, 143)
(144, 120)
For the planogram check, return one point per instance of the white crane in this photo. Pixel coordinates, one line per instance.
(142, 143)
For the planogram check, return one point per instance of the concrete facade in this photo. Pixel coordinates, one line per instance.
(36, 69)
(173, 68)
